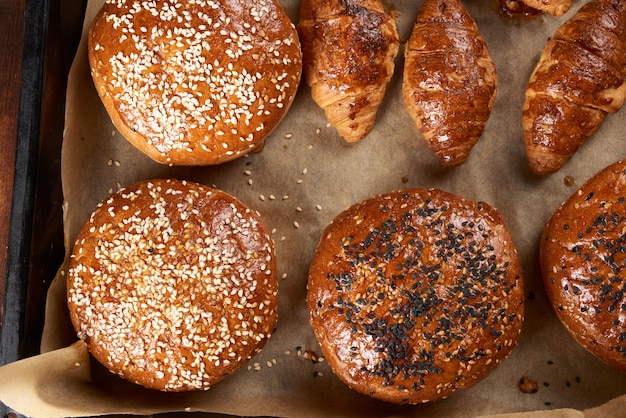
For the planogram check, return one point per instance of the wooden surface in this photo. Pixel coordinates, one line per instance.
(11, 42)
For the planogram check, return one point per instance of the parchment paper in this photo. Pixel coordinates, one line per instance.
(303, 177)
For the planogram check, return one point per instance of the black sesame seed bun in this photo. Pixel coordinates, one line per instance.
(583, 264)
(172, 285)
(415, 294)
(195, 83)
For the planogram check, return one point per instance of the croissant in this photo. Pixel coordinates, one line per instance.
(577, 81)
(551, 7)
(450, 80)
(349, 48)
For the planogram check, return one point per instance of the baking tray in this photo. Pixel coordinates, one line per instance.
(35, 246)
(40, 253)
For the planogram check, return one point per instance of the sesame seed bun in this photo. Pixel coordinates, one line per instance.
(172, 284)
(198, 82)
(414, 294)
(583, 259)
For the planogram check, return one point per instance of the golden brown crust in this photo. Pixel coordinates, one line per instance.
(450, 80)
(583, 260)
(349, 48)
(578, 79)
(550, 136)
(551, 7)
(414, 294)
(195, 84)
(172, 284)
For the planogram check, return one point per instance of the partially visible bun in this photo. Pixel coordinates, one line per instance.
(172, 284)
(195, 83)
(414, 294)
(583, 264)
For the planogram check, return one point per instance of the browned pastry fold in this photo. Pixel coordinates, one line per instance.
(583, 261)
(577, 81)
(450, 80)
(349, 47)
(551, 7)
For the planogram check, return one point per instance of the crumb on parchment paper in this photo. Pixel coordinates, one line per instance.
(527, 385)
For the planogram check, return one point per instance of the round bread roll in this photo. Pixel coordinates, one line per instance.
(583, 264)
(415, 294)
(172, 284)
(195, 82)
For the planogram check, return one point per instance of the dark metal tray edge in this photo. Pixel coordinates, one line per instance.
(35, 243)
